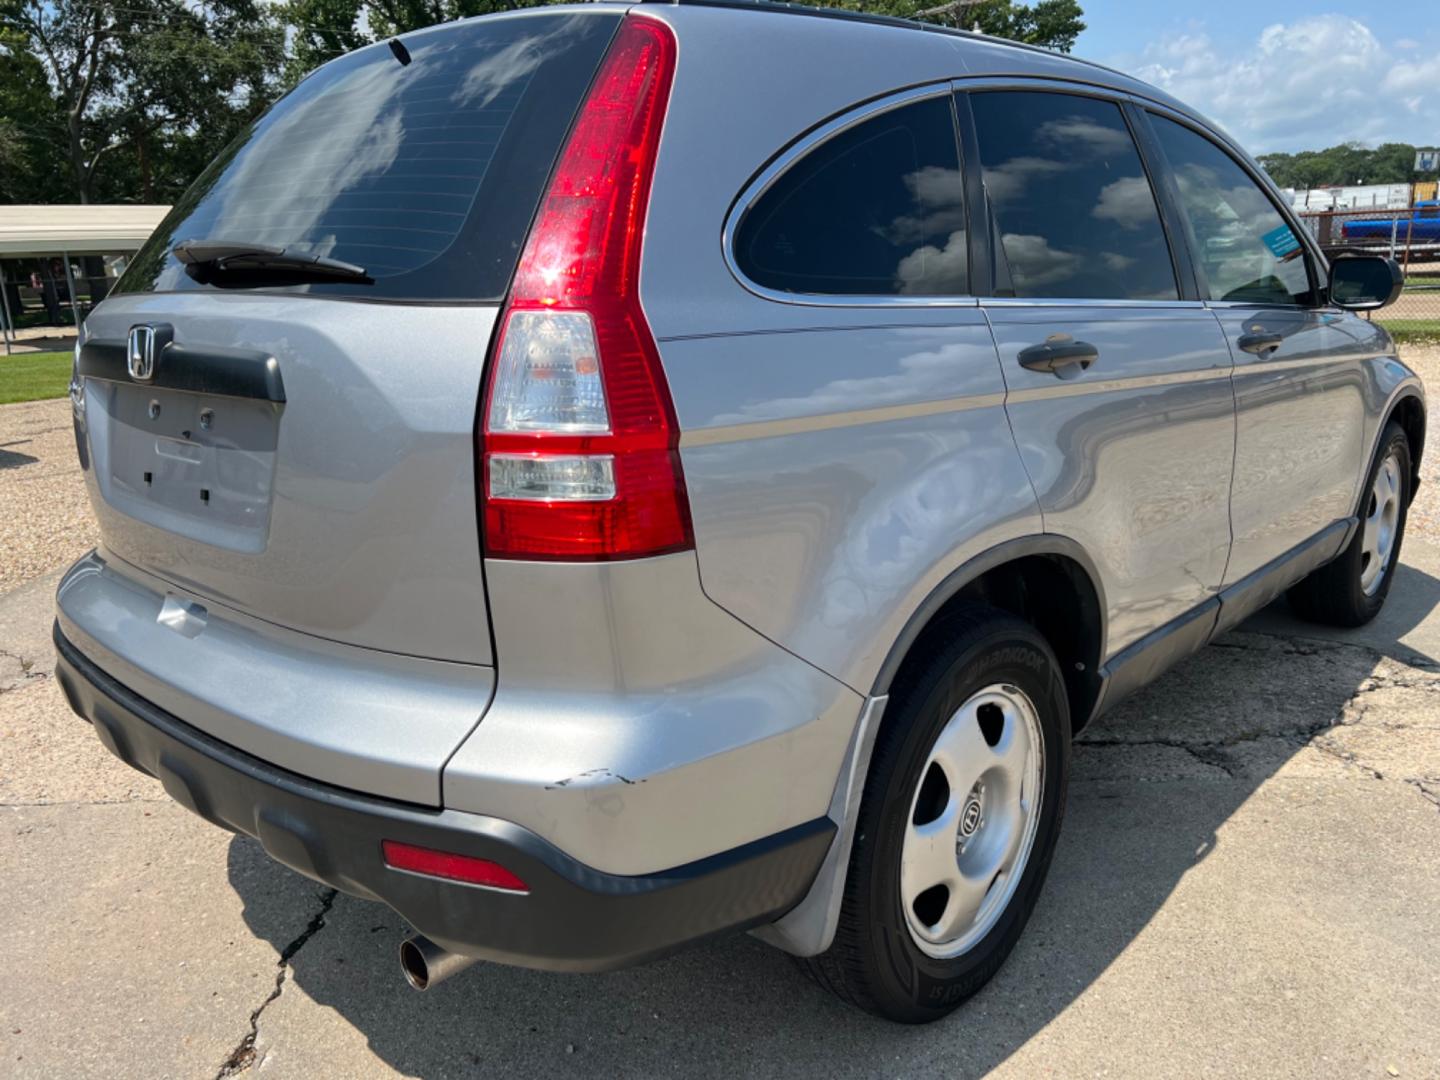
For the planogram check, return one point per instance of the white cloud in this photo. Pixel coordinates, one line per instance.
(1127, 202)
(1035, 264)
(1304, 85)
(1008, 181)
(930, 270)
(938, 206)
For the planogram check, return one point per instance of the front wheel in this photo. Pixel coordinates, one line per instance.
(957, 824)
(1351, 590)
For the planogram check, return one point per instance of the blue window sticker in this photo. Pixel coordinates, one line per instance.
(1281, 242)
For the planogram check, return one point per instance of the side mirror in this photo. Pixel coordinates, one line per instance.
(1365, 282)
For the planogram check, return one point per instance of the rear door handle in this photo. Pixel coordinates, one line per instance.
(1058, 356)
(1261, 342)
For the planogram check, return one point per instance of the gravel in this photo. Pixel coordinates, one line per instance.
(45, 518)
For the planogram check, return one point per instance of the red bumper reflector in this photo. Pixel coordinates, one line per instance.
(445, 864)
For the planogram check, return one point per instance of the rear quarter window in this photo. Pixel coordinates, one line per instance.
(425, 173)
(875, 210)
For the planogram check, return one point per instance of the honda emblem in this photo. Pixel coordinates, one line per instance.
(141, 358)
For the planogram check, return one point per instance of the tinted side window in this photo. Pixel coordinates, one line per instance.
(876, 210)
(1071, 205)
(1244, 249)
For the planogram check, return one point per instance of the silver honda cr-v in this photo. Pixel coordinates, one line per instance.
(599, 477)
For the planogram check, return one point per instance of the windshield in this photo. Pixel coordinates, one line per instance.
(425, 173)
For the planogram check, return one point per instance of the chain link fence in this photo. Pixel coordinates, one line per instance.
(1410, 236)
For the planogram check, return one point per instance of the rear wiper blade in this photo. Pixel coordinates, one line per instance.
(207, 260)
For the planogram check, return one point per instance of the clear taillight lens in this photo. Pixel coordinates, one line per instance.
(570, 478)
(547, 376)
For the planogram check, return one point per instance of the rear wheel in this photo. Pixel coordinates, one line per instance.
(1351, 590)
(958, 822)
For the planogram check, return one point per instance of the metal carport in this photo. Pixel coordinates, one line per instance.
(45, 231)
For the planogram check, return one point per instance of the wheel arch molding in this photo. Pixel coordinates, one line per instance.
(1001, 576)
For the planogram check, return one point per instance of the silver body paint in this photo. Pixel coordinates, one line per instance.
(844, 461)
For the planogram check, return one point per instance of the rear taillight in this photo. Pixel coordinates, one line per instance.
(579, 451)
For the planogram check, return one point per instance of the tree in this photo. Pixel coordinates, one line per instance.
(320, 30)
(1053, 24)
(1338, 166)
(118, 100)
(138, 75)
(324, 28)
(31, 139)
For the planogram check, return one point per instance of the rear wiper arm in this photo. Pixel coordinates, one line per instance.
(206, 260)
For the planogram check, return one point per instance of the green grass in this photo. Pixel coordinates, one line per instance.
(34, 376)
(1413, 331)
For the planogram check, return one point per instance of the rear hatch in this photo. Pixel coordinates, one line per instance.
(301, 447)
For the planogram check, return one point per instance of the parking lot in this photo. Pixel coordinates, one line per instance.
(1248, 883)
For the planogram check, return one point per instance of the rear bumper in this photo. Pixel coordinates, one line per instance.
(574, 918)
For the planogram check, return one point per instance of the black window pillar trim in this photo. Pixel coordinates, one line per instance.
(977, 224)
(1189, 276)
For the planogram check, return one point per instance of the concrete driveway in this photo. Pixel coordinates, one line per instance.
(1248, 884)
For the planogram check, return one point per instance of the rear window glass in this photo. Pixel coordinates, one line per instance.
(426, 173)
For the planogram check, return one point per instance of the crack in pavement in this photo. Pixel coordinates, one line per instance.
(25, 676)
(243, 1056)
(1347, 757)
(1423, 785)
(1207, 753)
(1422, 676)
(1303, 645)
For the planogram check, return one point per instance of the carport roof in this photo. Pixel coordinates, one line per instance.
(53, 229)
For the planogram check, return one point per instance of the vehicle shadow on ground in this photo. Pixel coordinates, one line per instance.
(1211, 732)
(14, 459)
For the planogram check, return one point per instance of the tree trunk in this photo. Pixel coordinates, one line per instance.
(77, 159)
(146, 188)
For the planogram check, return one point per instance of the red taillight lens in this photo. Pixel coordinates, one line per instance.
(580, 456)
(445, 864)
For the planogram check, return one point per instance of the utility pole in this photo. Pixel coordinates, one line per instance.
(954, 8)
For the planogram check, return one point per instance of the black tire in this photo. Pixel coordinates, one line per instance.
(874, 962)
(1333, 594)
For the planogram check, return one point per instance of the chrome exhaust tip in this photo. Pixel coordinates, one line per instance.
(425, 964)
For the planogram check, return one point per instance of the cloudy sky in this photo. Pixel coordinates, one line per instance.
(1284, 76)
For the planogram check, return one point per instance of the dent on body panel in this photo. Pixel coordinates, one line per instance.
(1382, 378)
(1300, 437)
(835, 477)
(647, 728)
(1132, 460)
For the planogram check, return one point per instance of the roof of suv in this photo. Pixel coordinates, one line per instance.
(1027, 59)
(812, 11)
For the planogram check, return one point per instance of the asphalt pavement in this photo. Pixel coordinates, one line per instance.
(1248, 883)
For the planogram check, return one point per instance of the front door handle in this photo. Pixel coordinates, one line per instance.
(1059, 357)
(1261, 342)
